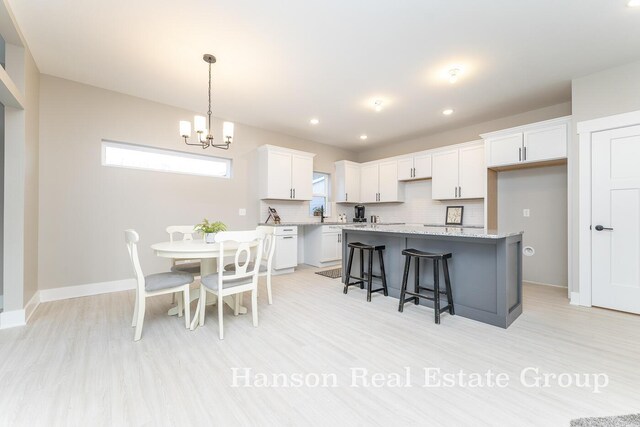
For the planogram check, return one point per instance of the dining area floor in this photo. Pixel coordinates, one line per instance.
(76, 364)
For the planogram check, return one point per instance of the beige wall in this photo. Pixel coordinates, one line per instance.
(463, 134)
(32, 137)
(84, 206)
(544, 192)
(609, 92)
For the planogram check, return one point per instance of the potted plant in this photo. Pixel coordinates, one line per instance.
(209, 229)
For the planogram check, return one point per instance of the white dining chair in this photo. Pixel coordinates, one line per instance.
(266, 262)
(154, 284)
(184, 265)
(243, 279)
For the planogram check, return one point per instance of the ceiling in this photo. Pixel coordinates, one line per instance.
(281, 63)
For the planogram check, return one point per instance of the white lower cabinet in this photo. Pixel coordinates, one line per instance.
(286, 252)
(323, 245)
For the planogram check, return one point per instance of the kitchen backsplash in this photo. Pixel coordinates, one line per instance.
(418, 208)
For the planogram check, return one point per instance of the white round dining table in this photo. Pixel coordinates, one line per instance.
(208, 254)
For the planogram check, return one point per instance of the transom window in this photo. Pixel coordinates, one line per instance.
(133, 156)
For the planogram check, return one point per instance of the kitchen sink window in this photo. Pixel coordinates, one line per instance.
(321, 186)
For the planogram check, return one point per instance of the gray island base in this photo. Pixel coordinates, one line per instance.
(486, 268)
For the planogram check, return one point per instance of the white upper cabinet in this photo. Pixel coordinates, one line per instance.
(459, 173)
(505, 150)
(538, 142)
(379, 182)
(417, 166)
(285, 174)
(347, 182)
(388, 189)
(369, 183)
(546, 144)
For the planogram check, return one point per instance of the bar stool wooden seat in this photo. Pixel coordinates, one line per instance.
(368, 275)
(431, 294)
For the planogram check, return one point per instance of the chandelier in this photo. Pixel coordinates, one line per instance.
(202, 125)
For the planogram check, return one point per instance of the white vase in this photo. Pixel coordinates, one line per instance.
(209, 237)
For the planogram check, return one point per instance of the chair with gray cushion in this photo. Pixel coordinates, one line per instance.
(184, 265)
(154, 284)
(265, 267)
(243, 278)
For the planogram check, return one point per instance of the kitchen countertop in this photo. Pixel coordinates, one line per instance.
(301, 224)
(431, 230)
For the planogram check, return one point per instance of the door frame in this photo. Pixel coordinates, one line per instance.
(585, 131)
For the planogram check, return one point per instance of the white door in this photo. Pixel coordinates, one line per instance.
(388, 182)
(279, 175)
(615, 218)
(405, 169)
(422, 166)
(506, 150)
(352, 183)
(445, 175)
(302, 177)
(369, 183)
(473, 173)
(546, 144)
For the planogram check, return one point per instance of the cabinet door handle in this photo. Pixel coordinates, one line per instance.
(456, 190)
(291, 193)
(520, 154)
(414, 172)
(459, 191)
(346, 197)
(294, 193)
(525, 153)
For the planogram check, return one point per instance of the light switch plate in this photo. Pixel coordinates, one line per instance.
(526, 213)
(242, 211)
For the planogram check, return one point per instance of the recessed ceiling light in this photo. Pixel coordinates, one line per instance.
(633, 3)
(377, 105)
(447, 112)
(363, 137)
(314, 121)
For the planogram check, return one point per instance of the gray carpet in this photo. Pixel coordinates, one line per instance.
(617, 421)
(334, 273)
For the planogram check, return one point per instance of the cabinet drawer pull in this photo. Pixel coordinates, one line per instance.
(287, 229)
(288, 237)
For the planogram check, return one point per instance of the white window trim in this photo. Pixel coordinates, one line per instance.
(143, 148)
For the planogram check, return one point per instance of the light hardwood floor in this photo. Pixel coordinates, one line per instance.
(76, 362)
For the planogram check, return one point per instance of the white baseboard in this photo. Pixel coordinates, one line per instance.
(68, 292)
(575, 298)
(544, 284)
(11, 319)
(32, 306)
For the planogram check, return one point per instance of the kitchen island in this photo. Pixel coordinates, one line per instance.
(486, 268)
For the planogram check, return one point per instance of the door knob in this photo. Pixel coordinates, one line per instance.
(600, 228)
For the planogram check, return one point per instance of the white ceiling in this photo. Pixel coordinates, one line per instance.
(281, 63)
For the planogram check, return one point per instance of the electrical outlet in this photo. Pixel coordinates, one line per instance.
(242, 212)
(526, 213)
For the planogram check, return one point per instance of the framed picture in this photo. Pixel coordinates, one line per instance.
(454, 215)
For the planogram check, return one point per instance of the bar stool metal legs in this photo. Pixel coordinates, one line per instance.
(432, 294)
(368, 275)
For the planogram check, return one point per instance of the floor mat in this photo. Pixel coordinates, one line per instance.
(617, 421)
(334, 273)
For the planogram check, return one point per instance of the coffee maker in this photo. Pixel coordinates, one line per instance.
(360, 217)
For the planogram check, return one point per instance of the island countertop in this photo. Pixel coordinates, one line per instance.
(432, 230)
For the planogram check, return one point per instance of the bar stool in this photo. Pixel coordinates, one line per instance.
(368, 276)
(433, 294)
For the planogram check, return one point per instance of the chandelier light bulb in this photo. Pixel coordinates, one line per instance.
(453, 75)
(377, 105)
